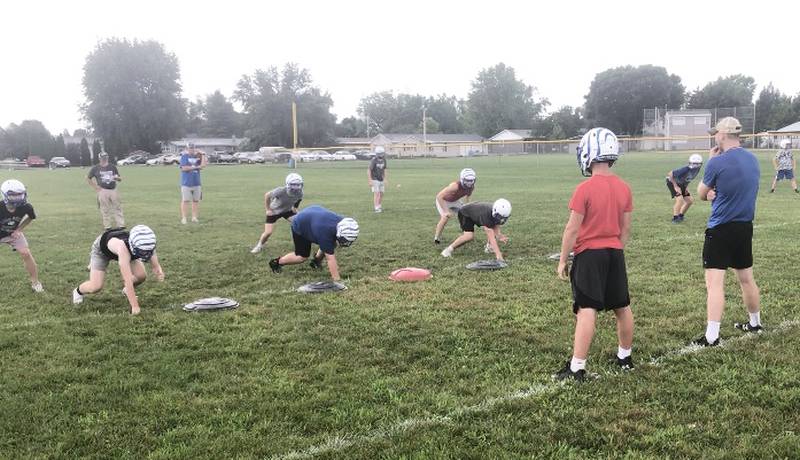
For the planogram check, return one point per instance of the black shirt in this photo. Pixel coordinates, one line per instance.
(119, 233)
(9, 221)
(104, 175)
(480, 213)
(376, 167)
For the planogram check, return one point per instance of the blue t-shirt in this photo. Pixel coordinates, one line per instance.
(684, 175)
(190, 178)
(734, 175)
(318, 225)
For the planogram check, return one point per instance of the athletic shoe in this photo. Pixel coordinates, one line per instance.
(256, 249)
(772, 191)
(566, 373)
(37, 287)
(76, 298)
(275, 266)
(747, 327)
(703, 342)
(378, 210)
(796, 191)
(448, 251)
(315, 264)
(436, 240)
(625, 364)
(183, 220)
(676, 220)
(680, 218)
(194, 219)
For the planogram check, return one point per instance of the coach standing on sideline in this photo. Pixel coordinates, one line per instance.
(105, 181)
(192, 161)
(730, 182)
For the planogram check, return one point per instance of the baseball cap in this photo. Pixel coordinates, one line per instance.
(190, 145)
(727, 125)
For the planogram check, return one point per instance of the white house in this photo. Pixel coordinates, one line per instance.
(511, 141)
(791, 132)
(437, 145)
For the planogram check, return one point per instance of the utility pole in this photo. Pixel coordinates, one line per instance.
(425, 127)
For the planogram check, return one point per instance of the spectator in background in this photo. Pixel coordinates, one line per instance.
(192, 161)
(103, 179)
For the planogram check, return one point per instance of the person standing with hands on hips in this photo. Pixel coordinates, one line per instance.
(192, 161)
(103, 179)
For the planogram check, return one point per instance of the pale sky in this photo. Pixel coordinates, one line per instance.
(354, 48)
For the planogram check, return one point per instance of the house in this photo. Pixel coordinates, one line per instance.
(791, 132)
(509, 141)
(206, 144)
(353, 142)
(437, 145)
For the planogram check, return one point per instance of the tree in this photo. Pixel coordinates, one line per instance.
(59, 149)
(80, 132)
(221, 120)
(267, 97)
(86, 154)
(564, 123)
(351, 127)
(773, 110)
(132, 94)
(29, 138)
(618, 96)
(96, 149)
(388, 113)
(498, 101)
(732, 91)
(73, 153)
(448, 112)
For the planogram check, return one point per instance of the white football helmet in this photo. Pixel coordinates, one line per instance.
(467, 178)
(14, 192)
(786, 143)
(501, 210)
(294, 183)
(599, 145)
(142, 242)
(695, 161)
(380, 151)
(346, 231)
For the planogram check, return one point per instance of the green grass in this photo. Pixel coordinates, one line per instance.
(287, 372)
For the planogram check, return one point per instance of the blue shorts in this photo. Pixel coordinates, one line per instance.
(784, 174)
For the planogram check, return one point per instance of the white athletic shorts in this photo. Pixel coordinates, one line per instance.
(377, 186)
(451, 206)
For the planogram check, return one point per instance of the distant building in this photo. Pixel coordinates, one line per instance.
(206, 144)
(791, 132)
(687, 130)
(438, 145)
(511, 141)
(353, 142)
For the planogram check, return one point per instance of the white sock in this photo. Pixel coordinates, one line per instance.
(712, 331)
(577, 364)
(755, 319)
(623, 353)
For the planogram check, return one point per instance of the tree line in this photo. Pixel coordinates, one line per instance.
(133, 100)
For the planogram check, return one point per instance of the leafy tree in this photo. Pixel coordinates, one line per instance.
(773, 109)
(59, 149)
(29, 138)
(196, 117)
(132, 94)
(96, 149)
(73, 153)
(267, 97)
(732, 91)
(351, 127)
(499, 100)
(86, 154)
(564, 123)
(221, 120)
(618, 96)
(80, 132)
(388, 113)
(448, 113)
(431, 126)
(4, 146)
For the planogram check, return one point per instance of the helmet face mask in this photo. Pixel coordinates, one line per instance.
(695, 161)
(501, 211)
(142, 254)
(343, 242)
(294, 184)
(598, 145)
(142, 242)
(346, 232)
(467, 178)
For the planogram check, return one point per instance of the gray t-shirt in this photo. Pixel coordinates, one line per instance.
(480, 213)
(376, 167)
(280, 201)
(104, 175)
(784, 159)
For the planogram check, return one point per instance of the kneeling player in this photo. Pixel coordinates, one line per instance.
(317, 225)
(677, 183)
(449, 199)
(282, 202)
(130, 249)
(15, 214)
(490, 216)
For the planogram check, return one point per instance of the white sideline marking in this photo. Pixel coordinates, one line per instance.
(341, 442)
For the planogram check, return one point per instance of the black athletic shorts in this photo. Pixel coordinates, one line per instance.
(599, 280)
(729, 245)
(275, 217)
(302, 247)
(674, 192)
(467, 224)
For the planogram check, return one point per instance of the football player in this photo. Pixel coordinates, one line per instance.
(280, 203)
(15, 214)
(490, 216)
(451, 198)
(131, 250)
(677, 183)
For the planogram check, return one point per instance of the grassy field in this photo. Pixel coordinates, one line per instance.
(456, 367)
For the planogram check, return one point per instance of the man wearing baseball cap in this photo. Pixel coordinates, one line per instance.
(730, 182)
(103, 179)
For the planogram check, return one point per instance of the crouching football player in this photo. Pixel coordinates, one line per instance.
(280, 203)
(677, 184)
(130, 249)
(451, 198)
(317, 225)
(490, 216)
(15, 214)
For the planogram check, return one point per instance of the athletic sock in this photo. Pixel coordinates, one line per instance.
(623, 353)
(712, 331)
(577, 364)
(755, 318)
(78, 290)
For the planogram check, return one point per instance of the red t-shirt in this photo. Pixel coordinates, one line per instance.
(602, 200)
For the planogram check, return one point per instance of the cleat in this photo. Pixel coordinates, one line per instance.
(703, 342)
(315, 264)
(37, 287)
(747, 327)
(76, 298)
(566, 373)
(275, 266)
(256, 249)
(447, 252)
(625, 364)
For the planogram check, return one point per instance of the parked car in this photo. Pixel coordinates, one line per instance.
(309, 157)
(249, 157)
(59, 162)
(325, 156)
(134, 159)
(165, 159)
(343, 155)
(364, 155)
(35, 161)
(226, 158)
(282, 157)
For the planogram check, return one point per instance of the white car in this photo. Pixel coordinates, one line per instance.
(309, 157)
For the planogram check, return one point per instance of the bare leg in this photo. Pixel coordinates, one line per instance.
(715, 287)
(30, 264)
(195, 209)
(440, 225)
(291, 259)
(267, 233)
(750, 293)
(676, 208)
(139, 273)
(687, 203)
(624, 327)
(584, 332)
(95, 282)
(465, 238)
(183, 209)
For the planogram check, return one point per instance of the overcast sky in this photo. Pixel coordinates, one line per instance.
(355, 48)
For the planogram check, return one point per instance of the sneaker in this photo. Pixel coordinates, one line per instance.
(194, 219)
(680, 218)
(76, 298)
(772, 191)
(625, 364)
(436, 240)
(703, 342)
(448, 251)
(796, 190)
(676, 220)
(315, 264)
(275, 266)
(378, 210)
(566, 373)
(256, 249)
(747, 327)
(183, 220)
(37, 287)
